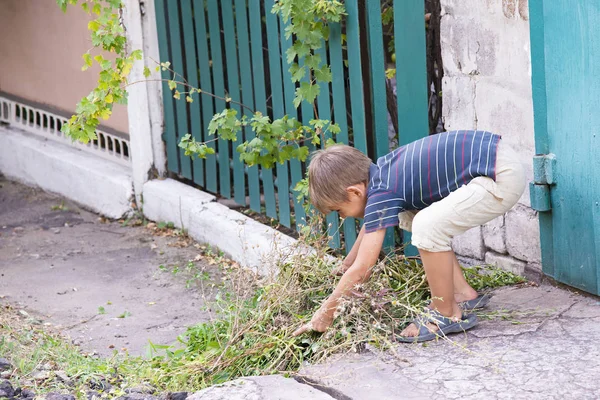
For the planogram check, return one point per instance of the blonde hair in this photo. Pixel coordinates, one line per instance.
(330, 173)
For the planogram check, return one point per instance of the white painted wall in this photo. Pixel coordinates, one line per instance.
(95, 183)
(144, 101)
(487, 85)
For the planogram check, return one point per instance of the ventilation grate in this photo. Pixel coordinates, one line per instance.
(46, 124)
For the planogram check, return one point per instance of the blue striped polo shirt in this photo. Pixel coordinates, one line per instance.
(414, 176)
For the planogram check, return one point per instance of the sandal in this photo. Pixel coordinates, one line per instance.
(475, 304)
(479, 302)
(445, 325)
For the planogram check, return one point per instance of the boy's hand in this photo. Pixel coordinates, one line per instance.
(340, 269)
(319, 323)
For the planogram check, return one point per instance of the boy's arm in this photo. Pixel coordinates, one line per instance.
(349, 260)
(359, 272)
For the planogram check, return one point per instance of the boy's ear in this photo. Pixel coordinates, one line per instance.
(355, 190)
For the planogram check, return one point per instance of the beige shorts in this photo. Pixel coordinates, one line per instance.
(471, 205)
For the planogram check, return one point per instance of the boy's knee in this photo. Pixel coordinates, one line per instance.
(428, 234)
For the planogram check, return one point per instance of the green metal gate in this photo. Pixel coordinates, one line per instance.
(565, 52)
(237, 48)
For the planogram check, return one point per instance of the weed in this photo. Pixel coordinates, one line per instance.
(101, 310)
(60, 207)
(254, 320)
(252, 332)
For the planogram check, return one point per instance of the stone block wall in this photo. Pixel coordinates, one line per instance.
(487, 86)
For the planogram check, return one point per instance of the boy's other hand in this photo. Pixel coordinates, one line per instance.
(319, 323)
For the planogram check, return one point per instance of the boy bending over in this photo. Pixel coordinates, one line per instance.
(437, 187)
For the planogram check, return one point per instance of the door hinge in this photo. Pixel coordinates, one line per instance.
(543, 177)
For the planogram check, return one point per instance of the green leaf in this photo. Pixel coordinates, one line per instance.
(309, 91)
(97, 9)
(147, 72)
(177, 95)
(87, 58)
(323, 74)
(93, 25)
(313, 61)
(62, 4)
(335, 129)
(291, 55)
(301, 49)
(297, 99)
(136, 54)
(172, 85)
(189, 99)
(297, 72)
(301, 153)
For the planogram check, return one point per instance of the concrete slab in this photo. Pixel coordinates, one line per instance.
(61, 264)
(102, 186)
(532, 343)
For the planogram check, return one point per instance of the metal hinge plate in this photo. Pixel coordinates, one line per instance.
(544, 176)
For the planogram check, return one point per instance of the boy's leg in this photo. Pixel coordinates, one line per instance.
(469, 206)
(440, 270)
(462, 290)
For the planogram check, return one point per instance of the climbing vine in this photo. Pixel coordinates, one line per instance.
(275, 141)
(107, 34)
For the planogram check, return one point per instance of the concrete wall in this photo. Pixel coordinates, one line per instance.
(487, 85)
(40, 56)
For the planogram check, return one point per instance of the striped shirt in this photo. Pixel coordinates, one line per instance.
(414, 176)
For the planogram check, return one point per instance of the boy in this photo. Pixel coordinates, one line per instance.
(437, 187)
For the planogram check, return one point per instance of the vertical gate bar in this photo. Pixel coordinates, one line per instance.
(324, 109)
(283, 190)
(540, 120)
(357, 103)
(288, 90)
(177, 66)
(260, 95)
(206, 85)
(233, 86)
(339, 110)
(191, 59)
(411, 80)
(377, 64)
(306, 109)
(241, 20)
(169, 112)
(538, 75)
(218, 67)
(379, 100)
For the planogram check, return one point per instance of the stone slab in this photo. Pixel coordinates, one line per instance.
(273, 387)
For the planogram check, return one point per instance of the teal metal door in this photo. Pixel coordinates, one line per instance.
(565, 50)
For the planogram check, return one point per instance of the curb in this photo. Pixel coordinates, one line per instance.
(245, 240)
(99, 185)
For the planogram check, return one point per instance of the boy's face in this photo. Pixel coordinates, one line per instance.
(355, 205)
